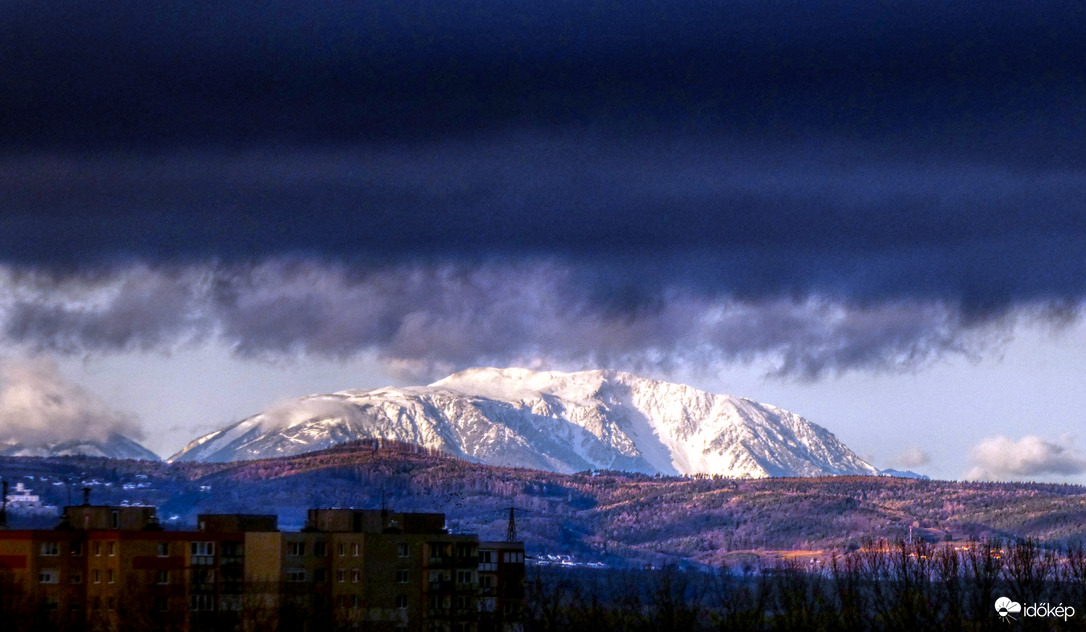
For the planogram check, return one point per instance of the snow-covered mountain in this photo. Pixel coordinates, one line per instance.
(116, 446)
(564, 422)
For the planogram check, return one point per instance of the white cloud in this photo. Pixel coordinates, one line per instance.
(1001, 458)
(38, 406)
(910, 457)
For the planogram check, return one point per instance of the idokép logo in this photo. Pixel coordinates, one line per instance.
(1006, 609)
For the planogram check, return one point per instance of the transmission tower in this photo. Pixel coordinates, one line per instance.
(511, 532)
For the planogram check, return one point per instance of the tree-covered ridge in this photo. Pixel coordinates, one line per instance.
(609, 516)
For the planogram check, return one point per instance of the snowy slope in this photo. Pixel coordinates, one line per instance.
(115, 446)
(564, 422)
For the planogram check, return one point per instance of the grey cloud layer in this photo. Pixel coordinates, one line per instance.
(428, 319)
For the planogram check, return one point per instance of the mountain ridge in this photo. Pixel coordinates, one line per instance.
(114, 446)
(550, 420)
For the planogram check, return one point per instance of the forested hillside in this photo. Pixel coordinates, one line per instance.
(612, 517)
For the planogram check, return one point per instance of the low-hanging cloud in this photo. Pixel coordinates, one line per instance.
(38, 406)
(1001, 458)
(910, 457)
(283, 415)
(425, 320)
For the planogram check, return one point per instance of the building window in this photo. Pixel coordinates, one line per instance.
(464, 577)
(51, 603)
(50, 549)
(162, 578)
(402, 549)
(109, 576)
(97, 576)
(296, 549)
(163, 549)
(96, 603)
(114, 520)
(202, 552)
(341, 549)
(76, 548)
(401, 602)
(295, 575)
(162, 604)
(341, 576)
(110, 604)
(97, 548)
(320, 549)
(48, 576)
(75, 577)
(112, 548)
(355, 576)
(356, 601)
(355, 549)
(401, 576)
(203, 603)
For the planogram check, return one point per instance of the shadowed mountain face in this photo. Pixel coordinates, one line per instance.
(562, 422)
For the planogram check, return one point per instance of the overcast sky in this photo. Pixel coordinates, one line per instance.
(872, 214)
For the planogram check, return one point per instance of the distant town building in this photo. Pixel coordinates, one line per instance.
(114, 567)
(22, 498)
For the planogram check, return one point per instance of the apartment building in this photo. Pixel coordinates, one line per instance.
(106, 567)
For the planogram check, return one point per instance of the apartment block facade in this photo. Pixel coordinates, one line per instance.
(115, 568)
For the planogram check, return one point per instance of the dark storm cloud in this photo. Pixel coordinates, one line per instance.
(123, 71)
(856, 185)
(634, 216)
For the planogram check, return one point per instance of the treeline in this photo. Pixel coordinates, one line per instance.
(882, 586)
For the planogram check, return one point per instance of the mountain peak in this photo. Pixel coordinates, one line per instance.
(600, 419)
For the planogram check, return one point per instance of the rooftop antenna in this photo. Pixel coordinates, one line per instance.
(511, 532)
(86, 496)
